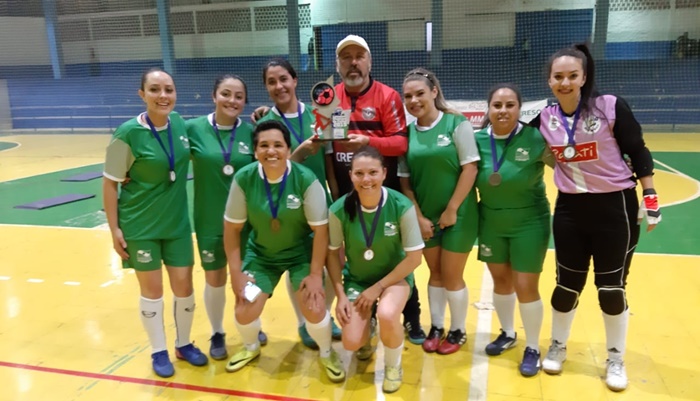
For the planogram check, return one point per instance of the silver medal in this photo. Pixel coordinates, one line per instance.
(569, 152)
(172, 176)
(369, 254)
(228, 169)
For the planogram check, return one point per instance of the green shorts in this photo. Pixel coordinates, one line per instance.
(518, 236)
(460, 237)
(267, 275)
(354, 288)
(147, 255)
(211, 249)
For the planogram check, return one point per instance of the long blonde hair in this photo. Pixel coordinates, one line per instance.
(429, 78)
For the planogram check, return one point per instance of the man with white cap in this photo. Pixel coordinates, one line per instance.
(377, 119)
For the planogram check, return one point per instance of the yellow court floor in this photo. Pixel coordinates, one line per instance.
(70, 330)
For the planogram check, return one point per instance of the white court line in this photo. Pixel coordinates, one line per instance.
(72, 283)
(35, 280)
(697, 185)
(480, 363)
(107, 284)
(4, 278)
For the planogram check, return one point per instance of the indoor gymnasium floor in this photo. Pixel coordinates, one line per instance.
(69, 327)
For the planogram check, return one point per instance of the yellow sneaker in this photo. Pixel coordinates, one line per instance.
(241, 358)
(334, 367)
(365, 352)
(393, 376)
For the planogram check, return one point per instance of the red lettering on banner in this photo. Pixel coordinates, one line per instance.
(476, 118)
(585, 152)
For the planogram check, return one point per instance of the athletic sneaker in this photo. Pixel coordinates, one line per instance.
(191, 354)
(162, 365)
(334, 367)
(306, 338)
(365, 352)
(241, 358)
(336, 332)
(262, 338)
(435, 337)
(615, 374)
(501, 343)
(452, 343)
(530, 366)
(393, 376)
(217, 349)
(415, 332)
(555, 358)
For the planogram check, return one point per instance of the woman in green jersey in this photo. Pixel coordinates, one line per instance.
(514, 223)
(148, 217)
(438, 174)
(220, 144)
(285, 206)
(280, 80)
(379, 229)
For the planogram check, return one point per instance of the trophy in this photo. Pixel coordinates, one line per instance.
(332, 122)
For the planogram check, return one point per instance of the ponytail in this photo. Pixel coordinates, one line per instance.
(350, 205)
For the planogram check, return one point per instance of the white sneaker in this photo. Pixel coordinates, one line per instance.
(615, 375)
(393, 376)
(555, 358)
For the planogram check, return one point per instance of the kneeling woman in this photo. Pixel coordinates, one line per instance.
(284, 204)
(383, 244)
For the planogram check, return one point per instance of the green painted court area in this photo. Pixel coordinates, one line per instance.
(675, 235)
(7, 145)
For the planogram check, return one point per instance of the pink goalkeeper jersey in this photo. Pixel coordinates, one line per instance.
(598, 166)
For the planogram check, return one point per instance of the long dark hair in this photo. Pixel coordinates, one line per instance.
(222, 78)
(352, 200)
(148, 72)
(496, 87)
(279, 62)
(581, 52)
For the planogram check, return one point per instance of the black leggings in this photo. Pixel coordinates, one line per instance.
(602, 226)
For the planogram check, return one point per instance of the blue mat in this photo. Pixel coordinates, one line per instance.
(50, 202)
(83, 177)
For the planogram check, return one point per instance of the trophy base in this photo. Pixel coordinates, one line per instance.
(329, 139)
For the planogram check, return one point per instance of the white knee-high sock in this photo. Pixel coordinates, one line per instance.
(392, 356)
(184, 315)
(293, 299)
(532, 314)
(616, 334)
(321, 333)
(215, 303)
(437, 301)
(458, 302)
(505, 309)
(151, 311)
(249, 334)
(561, 325)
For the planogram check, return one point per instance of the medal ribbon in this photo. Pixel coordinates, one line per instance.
(231, 139)
(498, 162)
(570, 131)
(171, 155)
(275, 206)
(299, 137)
(370, 237)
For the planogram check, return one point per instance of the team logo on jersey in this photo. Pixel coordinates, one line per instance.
(522, 154)
(485, 250)
(243, 148)
(443, 140)
(553, 122)
(185, 141)
(208, 256)
(591, 125)
(293, 202)
(368, 113)
(144, 256)
(390, 229)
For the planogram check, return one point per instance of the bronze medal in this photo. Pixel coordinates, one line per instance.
(275, 225)
(495, 179)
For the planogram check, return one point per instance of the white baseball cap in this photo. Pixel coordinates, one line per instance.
(351, 40)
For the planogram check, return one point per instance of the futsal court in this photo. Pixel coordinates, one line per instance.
(69, 325)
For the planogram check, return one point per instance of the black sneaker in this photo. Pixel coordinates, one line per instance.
(415, 332)
(501, 343)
